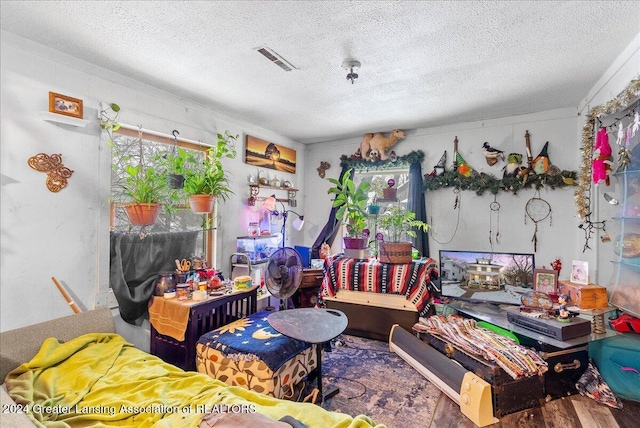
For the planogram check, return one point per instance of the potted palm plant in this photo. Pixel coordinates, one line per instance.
(397, 223)
(351, 201)
(209, 181)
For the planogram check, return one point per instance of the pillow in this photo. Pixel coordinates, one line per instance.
(591, 384)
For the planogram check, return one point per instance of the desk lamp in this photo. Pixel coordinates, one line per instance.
(269, 204)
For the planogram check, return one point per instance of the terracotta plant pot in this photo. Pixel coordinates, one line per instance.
(389, 193)
(202, 204)
(142, 214)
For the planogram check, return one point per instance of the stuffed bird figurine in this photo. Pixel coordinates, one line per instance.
(492, 155)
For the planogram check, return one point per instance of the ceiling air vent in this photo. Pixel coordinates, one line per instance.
(276, 59)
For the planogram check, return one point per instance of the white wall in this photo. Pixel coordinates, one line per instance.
(558, 239)
(66, 234)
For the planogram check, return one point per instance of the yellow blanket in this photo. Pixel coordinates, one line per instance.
(101, 380)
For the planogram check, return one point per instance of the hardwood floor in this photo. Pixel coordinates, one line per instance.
(573, 411)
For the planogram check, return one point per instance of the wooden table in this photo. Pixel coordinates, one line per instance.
(203, 316)
(312, 325)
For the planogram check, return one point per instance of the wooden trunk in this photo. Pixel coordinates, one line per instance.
(584, 296)
(566, 366)
(508, 395)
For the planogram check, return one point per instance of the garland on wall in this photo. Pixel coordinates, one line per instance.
(622, 101)
(484, 182)
(393, 162)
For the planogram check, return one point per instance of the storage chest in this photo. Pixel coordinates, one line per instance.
(584, 296)
(508, 395)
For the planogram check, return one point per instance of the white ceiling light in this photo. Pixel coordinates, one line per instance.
(352, 67)
(272, 56)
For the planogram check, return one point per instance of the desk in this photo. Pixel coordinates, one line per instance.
(201, 317)
(311, 325)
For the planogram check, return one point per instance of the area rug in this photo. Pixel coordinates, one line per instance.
(376, 382)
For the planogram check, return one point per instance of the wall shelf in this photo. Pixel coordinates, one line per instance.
(60, 118)
(255, 190)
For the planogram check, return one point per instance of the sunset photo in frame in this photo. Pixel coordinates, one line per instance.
(545, 280)
(62, 104)
(580, 272)
(264, 154)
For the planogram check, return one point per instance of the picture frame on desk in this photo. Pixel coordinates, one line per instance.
(545, 281)
(580, 272)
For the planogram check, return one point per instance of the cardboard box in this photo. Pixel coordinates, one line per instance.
(584, 296)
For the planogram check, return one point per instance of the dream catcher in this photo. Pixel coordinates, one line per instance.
(537, 209)
(494, 211)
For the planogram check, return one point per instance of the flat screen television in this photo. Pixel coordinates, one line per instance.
(500, 278)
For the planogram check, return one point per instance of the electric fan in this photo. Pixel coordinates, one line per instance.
(283, 274)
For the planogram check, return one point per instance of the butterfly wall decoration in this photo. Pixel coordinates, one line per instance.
(57, 173)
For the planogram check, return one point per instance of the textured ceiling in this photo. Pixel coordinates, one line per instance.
(424, 63)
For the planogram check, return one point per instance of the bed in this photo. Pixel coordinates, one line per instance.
(375, 295)
(90, 376)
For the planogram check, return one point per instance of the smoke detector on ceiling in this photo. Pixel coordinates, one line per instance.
(352, 67)
(272, 56)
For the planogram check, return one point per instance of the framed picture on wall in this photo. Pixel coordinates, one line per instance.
(264, 154)
(62, 104)
(545, 280)
(580, 272)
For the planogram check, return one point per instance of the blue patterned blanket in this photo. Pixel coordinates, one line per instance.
(253, 338)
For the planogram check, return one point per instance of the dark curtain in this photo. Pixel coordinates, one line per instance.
(416, 204)
(135, 264)
(330, 230)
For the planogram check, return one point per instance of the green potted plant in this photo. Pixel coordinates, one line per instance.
(177, 163)
(209, 181)
(377, 186)
(142, 189)
(397, 223)
(145, 190)
(351, 201)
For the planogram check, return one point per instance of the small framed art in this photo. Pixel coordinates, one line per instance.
(62, 104)
(545, 280)
(580, 272)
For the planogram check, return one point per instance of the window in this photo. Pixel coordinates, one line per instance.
(129, 146)
(380, 179)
